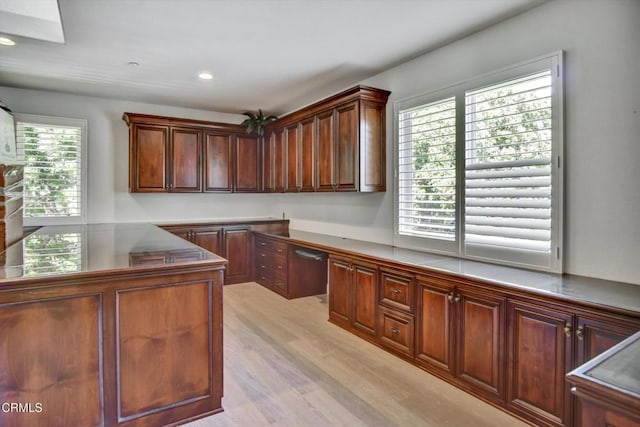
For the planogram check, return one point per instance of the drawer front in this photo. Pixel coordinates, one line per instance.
(279, 248)
(396, 331)
(263, 243)
(396, 291)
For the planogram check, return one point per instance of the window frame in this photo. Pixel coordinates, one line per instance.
(62, 122)
(456, 248)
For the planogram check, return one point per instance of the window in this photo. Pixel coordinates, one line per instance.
(478, 168)
(53, 151)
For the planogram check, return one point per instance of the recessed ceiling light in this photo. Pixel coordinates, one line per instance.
(205, 75)
(133, 64)
(6, 41)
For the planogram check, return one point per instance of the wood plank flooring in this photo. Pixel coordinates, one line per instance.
(286, 365)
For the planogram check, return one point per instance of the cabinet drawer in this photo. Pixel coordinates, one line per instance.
(396, 331)
(262, 243)
(396, 290)
(279, 248)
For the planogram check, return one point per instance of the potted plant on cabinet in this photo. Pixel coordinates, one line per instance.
(256, 122)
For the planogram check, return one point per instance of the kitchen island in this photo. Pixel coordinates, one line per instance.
(109, 324)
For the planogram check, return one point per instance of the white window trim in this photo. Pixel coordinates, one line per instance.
(63, 121)
(456, 248)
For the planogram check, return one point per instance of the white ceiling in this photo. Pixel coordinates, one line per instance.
(277, 55)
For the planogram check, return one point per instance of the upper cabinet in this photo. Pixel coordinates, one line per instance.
(168, 154)
(337, 144)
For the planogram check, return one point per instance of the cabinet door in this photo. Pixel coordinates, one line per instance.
(237, 250)
(209, 239)
(268, 160)
(595, 336)
(149, 153)
(346, 162)
(481, 341)
(372, 147)
(218, 161)
(308, 154)
(540, 356)
(340, 299)
(434, 346)
(396, 290)
(325, 163)
(279, 162)
(294, 180)
(365, 300)
(185, 160)
(247, 164)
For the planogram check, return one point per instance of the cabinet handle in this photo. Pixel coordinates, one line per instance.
(567, 330)
(395, 330)
(395, 290)
(279, 267)
(263, 244)
(457, 298)
(580, 332)
(450, 297)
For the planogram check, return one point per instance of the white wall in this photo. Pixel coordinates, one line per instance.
(601, 39)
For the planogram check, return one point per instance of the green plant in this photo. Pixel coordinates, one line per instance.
(256, 122)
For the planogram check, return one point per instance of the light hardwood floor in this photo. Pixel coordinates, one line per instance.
(286, 365)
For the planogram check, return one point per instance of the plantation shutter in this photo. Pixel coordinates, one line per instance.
(427, 171)
(508, 167)
(52, 155)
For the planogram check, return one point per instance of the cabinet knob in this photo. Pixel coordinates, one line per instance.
(450, 297)
(395, 331)
(395, 290)
(567, 330)
(580, 332)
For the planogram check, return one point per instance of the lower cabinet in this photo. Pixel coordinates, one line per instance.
(545, 343)
(353, 286)
(510, 349)
(271, 264)
(461, 334)
(230, 242)
(539, 356)
(237, 250)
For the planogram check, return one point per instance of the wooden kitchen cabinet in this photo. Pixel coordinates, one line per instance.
(596, 334)
(308, 154)
(148, 154)
(461, 334)
(185, 164)
(231, 242)
(165, 159)
(353, 294)
(540, 354)
(168, 154)
(238, 245)
(218, 161)
(396, 322)
(271, 264)
(293, 181)
(326, 151)
(274, 162)
(247, 164)
(336, 144)
(545, 343)
(346, 154)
